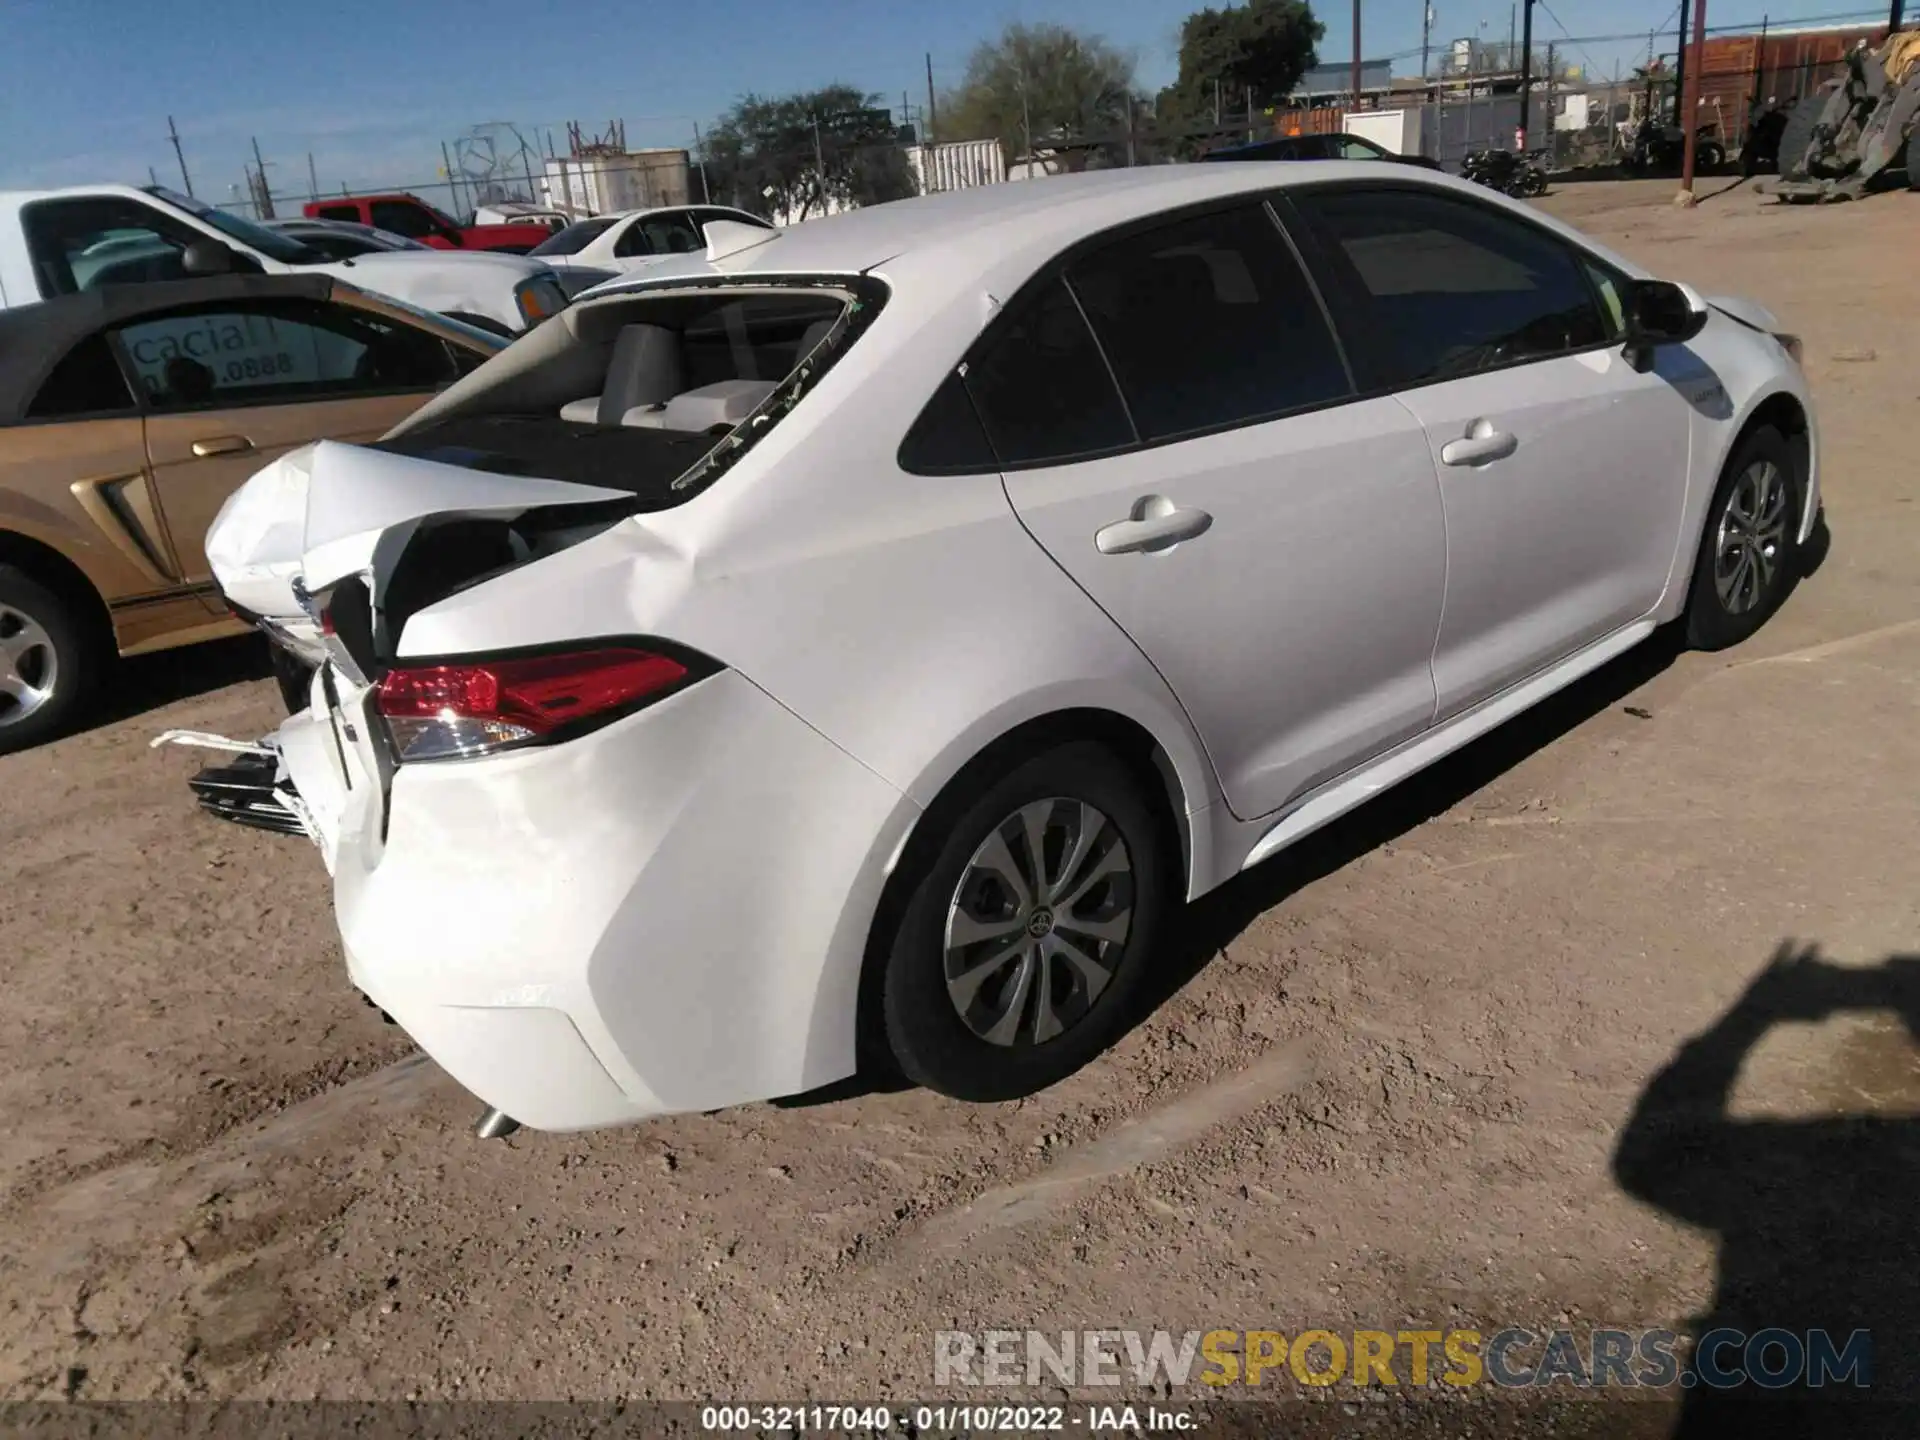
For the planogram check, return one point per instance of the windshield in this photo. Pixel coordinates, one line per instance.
(575, 238)
(284, 248)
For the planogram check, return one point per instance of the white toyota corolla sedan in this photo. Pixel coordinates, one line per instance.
(859, 640)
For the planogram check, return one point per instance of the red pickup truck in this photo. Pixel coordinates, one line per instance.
(414, 218)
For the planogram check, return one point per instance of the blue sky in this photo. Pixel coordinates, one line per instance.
(371, 87)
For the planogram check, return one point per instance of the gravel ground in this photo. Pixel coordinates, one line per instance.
(1386, 1087)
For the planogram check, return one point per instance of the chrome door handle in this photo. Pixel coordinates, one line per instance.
(1155, 524)
(222, 445)
(1481, 444)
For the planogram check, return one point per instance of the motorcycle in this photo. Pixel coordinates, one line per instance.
(1508, 171)
(1658, 148)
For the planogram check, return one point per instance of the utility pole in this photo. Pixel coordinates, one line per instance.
(1526, 75)
(1355, 82)
(1759, 76)
(1249, 114)
(1680, 67)
(1613, 99)
(1426, 39)
(1691, 100)
(1512, 16)
(1553, 95)
(1216, 104)
(313, 180)
(260, 168)
(700, 149)
(180, 155)
(1895, 15)
(1026, 117)
(933, 118)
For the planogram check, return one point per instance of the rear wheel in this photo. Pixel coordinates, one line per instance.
(50, 661)
(1027, 931)
(1748, 556)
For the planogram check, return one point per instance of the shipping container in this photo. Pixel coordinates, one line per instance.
(623, 180)
(958, 165)
(1779, 68)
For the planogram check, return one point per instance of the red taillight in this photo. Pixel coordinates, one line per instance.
(438, 712)
(326, 621)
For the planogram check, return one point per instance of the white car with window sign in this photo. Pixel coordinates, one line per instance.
(859, 640)
(63, 242)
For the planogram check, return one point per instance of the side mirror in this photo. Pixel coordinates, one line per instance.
(210, 257)
(1660, 313)
(453, 238)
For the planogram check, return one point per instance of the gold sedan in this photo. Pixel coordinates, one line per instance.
(129, 414)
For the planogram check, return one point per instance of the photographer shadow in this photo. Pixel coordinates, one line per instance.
(1816, 1218)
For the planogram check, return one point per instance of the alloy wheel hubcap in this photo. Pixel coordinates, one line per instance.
(1749, 547)
(1038, 922)
(29, 665)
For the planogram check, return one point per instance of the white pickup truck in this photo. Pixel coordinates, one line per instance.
(58, 242)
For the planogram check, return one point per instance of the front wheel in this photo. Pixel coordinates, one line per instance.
(1026, 934)
(50, 662)
(1748, 555)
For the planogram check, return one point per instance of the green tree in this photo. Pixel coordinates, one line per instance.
(793, 154)
(1036, 85)
(1264, 46)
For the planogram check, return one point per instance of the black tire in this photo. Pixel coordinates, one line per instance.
(1709, 156)
(923, 1027)
(61, 645)
(1713, 620)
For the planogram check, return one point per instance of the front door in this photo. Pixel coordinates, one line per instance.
(1273, 546)
(231, 385)
(1562, 469)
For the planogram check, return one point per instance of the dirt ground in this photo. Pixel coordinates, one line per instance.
(1386, 1086)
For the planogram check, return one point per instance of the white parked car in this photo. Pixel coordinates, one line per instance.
(861, 642)
(58, 242)
(637, 239)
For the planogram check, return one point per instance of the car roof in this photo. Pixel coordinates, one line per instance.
(34, 338)
(963, 233)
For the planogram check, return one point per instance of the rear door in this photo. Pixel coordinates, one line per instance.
(232, 385)
(1177, 427)
(1562, 468)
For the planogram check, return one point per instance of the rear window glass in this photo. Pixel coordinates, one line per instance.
(1042, 388)
(575, 238)
(640, 392)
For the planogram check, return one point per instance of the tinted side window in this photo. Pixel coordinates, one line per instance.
(278, 353)
(89, 243)
(399, 218)
(1612, 291)
(1041, 388)
(87, 381)
(1209, 321)
(1449, 288)
(667, 234)
(340, 212)
(947, 439)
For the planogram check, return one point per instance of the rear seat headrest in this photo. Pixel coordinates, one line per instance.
(646, 369)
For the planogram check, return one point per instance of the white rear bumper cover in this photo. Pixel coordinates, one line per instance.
(668, 914)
